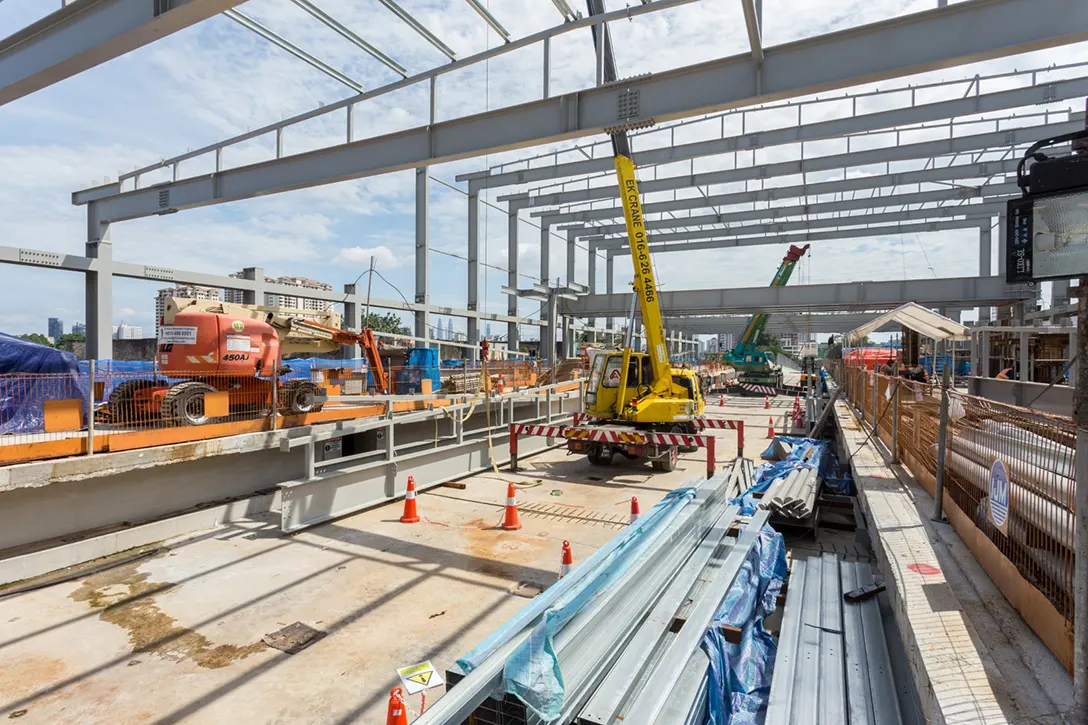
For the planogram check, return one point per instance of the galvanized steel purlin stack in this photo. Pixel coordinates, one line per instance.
(833, 664)
(794, 496)
(619, 656)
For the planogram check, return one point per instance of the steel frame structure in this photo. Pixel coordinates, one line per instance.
(765, 78)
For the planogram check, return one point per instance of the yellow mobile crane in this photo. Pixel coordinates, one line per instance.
(639, 390)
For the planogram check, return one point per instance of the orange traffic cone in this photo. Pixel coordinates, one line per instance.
(770, 427)
(397, 714)
(511, 522)
(635, 511)
(501, 386)
(567, 561)
(411, 515)
(766, 402)
(721, 399)
(797, 402)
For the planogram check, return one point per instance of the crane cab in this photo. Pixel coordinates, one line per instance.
(624, 392)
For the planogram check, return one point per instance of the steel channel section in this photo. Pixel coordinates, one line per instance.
(649, 704)
(590, 642)
(459, 702)
(609, 696)
(871, 695)
(337, 492)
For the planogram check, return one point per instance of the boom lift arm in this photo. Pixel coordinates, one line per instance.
(758, 323)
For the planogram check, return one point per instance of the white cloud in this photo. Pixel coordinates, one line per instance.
(384, 258)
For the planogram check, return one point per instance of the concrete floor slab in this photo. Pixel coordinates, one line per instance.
(177, 637)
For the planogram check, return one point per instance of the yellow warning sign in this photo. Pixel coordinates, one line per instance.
(418, 678)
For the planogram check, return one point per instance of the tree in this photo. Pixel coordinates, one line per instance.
(38, 338)
(66, 340)
(388, 322)
(863, 341)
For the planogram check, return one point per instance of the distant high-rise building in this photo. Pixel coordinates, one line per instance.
(56, 328)
(128, 332)
(293, 302)
(79, 328)
(450, 334)
(488, 329)
(726, 341)
(187, 291)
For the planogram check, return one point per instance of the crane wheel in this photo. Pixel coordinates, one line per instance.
(121, 401)
(597, 456)
(298, 398)
(183, 404)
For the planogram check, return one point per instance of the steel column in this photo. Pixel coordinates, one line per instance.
(473, 269)
(99, 289)
(513, 336)
(985, 263)
(352, 320)
(422, 259)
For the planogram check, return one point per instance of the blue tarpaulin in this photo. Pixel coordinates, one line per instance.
(806, 453)
(51, 374)
(532, 671)
(739, 676)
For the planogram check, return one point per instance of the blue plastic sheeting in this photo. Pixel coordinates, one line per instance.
(532, 671)
(22, 398)
(807, 453)
(739, 675)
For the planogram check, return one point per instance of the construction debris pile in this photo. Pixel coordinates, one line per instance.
(644, 631)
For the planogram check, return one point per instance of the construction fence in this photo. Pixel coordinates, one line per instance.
(1037, 450)
(112, 406)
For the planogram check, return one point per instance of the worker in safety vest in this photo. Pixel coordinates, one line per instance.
(1006, 374)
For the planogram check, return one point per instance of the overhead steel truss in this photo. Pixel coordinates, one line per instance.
(962, 33)
(850, 296)
(967, 32)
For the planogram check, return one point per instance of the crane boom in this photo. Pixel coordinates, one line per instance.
(758, 323)
(645, 287)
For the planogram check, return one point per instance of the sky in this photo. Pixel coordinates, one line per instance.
(217, 79)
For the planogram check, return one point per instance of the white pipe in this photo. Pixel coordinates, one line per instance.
(1059, 488)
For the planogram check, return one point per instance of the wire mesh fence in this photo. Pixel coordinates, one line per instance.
(48, 415)
(1037, 449)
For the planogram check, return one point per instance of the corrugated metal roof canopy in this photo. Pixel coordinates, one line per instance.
(918, 318)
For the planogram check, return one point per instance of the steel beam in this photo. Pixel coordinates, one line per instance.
(989, 192)
(969, 212)
(966, 32)
(489, 19)
(753, 21)
(129, 270)
(351, 36)
(834, 128)
(780, 323)
(423, 256)
(857, 296)
(279, 41)
(985, 169)
(904, 152)
(87, 33)
(415, 25)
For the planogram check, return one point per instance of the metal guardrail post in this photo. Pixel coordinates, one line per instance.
(90, 408)
(548, 404)
(276, 396)
(895, 413)
(311, 464)
(942, 443)
(876, 402)
(513, 448)
(1080, 545)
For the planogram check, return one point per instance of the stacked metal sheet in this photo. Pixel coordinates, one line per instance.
(622, 657)
(793, 497)
(833, 665)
